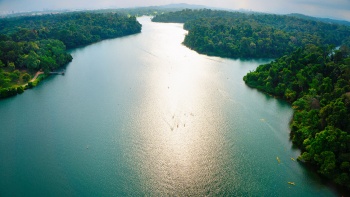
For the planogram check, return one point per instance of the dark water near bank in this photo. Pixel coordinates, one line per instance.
(144, 115)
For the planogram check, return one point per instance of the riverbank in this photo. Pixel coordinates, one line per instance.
(34, 49)
(306, 74)
(319, 94)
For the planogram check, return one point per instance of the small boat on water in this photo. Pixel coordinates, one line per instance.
(278, 159)
(291, 183)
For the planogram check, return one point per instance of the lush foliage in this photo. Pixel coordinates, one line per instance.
(73, 29)
(189, 14)
(33, 55)
(317, 81)
(29, 44)
(18, 59)
(240, 35)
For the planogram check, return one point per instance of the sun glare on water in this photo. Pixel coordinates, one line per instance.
(178, 122)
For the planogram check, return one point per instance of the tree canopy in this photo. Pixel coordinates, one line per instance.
(317, 82)
(242, 35)
(73, 29)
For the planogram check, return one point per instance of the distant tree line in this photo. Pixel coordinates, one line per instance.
(242, 35)
(32, 43)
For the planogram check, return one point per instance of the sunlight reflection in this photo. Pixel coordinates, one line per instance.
(180, 119)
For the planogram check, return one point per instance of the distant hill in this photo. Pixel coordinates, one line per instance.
(182, 5)
(325, 20)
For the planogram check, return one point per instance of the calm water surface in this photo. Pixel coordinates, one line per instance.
(144, 115)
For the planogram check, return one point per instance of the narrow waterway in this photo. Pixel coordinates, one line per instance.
(145, 116)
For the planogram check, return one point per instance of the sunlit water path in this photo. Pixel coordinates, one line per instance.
(144, 115)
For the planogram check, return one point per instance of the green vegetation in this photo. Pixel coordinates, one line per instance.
(29, 44)
(73, 29)
(309, 73)
(317, 81)
(241, 35)
(186, 15)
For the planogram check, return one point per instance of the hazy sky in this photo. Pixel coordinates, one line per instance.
(339, 9)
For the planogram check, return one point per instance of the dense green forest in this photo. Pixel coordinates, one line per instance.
(32, 43)
(317, 81)
(20, 59)
(73, 29)
(188, 14)
(241, 35)
(308, 72)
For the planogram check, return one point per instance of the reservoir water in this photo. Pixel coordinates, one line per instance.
(145, 116)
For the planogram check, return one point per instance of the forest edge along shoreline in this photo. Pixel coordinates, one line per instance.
(38, 45)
